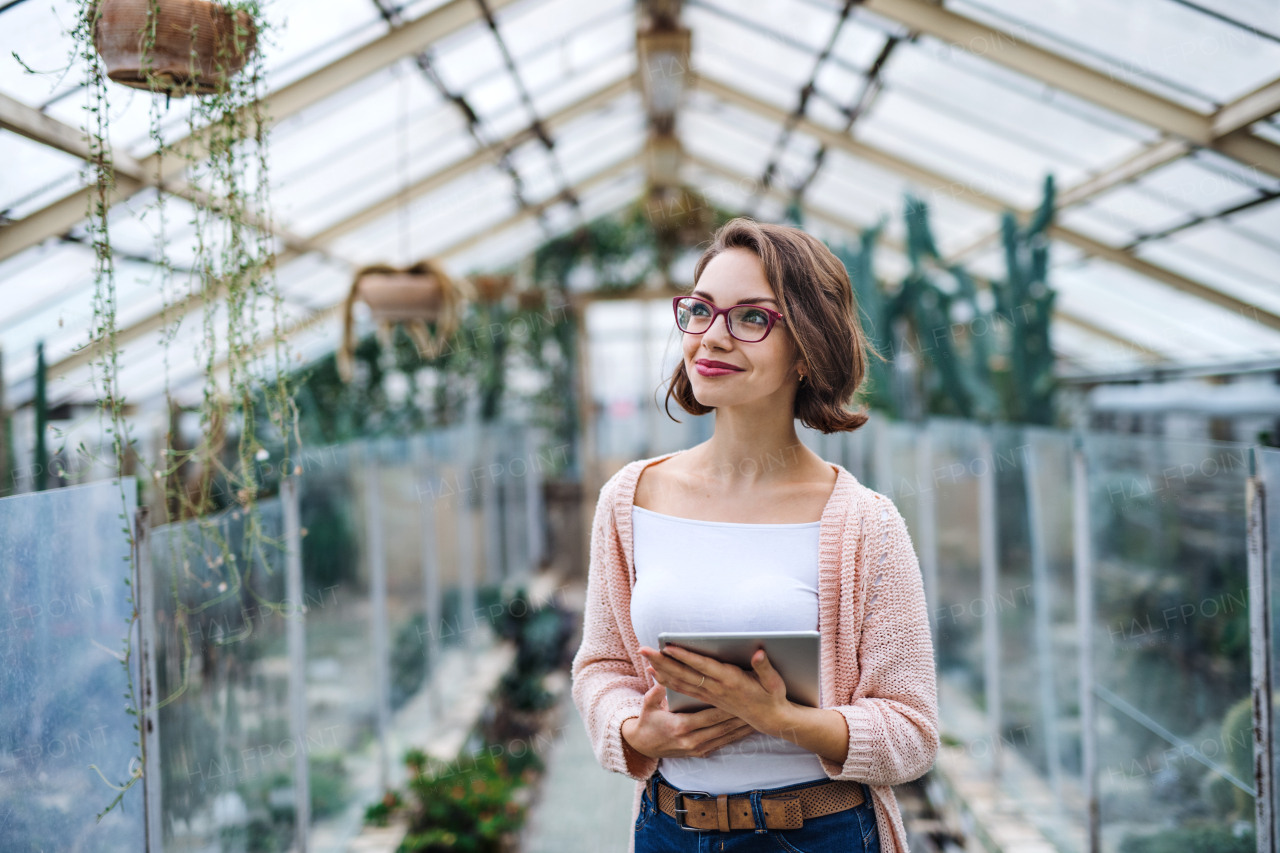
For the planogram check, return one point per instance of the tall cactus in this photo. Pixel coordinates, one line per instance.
(872, 307)
(955, 336)
(941, 301)
(1025, 302)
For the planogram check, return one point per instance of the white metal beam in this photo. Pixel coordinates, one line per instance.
(988, 201)
(1227, 124)
(483, 157)
(1012, 51)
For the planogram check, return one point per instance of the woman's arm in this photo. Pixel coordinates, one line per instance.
(893, 716)
(887, 736)
(606, 688)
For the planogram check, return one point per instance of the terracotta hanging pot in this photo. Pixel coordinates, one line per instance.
(397, 295)
(421, 298)
(533, 299)
(198, 45)
(491, 288)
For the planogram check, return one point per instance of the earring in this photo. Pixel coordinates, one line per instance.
(802, 377)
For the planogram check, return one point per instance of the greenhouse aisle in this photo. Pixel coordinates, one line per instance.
(557, 822)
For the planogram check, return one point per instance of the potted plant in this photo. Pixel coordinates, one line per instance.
(412, 297)
(191, 46)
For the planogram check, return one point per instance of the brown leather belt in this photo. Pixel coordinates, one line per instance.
(695, 810)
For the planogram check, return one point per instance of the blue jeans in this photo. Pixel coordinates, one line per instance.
(850, 831)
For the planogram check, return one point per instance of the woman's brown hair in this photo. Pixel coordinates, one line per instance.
(816, 299)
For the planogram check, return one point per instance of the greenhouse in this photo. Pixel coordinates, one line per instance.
(337, 356)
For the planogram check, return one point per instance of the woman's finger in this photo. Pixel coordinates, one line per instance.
(694, 689)
(727, 727)
(674, 668)
(764, 670)
(723, 741)
(654, 698)
(707, 717)
(701, 664)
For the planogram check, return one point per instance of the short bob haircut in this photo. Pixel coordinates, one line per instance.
(816, 299)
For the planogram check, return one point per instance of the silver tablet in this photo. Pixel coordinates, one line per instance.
(794, 654)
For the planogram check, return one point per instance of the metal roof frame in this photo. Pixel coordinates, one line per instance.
(1226, 130)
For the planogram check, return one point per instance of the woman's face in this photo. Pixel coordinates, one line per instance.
(764, 368)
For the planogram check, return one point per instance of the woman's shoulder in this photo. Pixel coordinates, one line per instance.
(625, 477)
(868, 505)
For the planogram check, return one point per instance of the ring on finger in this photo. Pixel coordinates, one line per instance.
(699, 684)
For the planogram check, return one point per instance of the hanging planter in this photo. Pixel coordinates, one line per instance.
(421, 298)
(491, 288)
(198, 44)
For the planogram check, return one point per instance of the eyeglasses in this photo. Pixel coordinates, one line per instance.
(747, 323)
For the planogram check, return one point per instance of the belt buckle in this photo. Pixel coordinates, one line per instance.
(680, 795)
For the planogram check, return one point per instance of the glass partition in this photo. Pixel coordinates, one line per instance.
(1064, 573)
(1171, 640)
(992, 515)
(222, 667)
(65, 736)
(1264, 606)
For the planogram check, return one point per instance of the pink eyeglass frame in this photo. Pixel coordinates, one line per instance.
(774, 317)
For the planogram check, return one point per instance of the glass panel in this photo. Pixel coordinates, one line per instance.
(1169, 48)
(1267, 465)
(1171, 640)
(222, 675)
(959, 607)
(64, 555)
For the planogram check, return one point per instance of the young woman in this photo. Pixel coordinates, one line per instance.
(752, 531)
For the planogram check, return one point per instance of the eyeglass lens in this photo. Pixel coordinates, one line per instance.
(746, 322)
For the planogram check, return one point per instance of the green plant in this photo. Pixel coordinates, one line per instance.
(982, 358)
(1237, 753)
(540, 635)
(467, 806)
(380, 812)
(220, 170)
(1192, 839)
(873, 310)
(328, 780)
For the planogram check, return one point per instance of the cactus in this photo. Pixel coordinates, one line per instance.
(955, 336)
(872, 306)
(941, 302)
(1025, 302)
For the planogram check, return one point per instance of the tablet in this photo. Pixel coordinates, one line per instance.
(794, 654)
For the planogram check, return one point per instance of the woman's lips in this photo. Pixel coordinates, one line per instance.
(709, 370)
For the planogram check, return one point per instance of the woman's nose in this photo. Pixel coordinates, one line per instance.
(718, 332)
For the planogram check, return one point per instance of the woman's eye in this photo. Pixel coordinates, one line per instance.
(755, 317)
(700, 309)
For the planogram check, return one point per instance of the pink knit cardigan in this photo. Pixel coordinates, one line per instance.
(877, 654)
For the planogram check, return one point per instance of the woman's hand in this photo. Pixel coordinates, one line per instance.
(661, 733)
(758, 698)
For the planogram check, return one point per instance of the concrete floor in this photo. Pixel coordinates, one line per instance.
(557, 822)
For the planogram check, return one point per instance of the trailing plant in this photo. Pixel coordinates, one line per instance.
(220, 168)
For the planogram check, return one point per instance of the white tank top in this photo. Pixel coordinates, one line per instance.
(726, 576)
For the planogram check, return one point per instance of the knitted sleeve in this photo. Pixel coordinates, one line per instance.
(893, 715)
(606, 687)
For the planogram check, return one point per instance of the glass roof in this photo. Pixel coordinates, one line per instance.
(857, 109)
